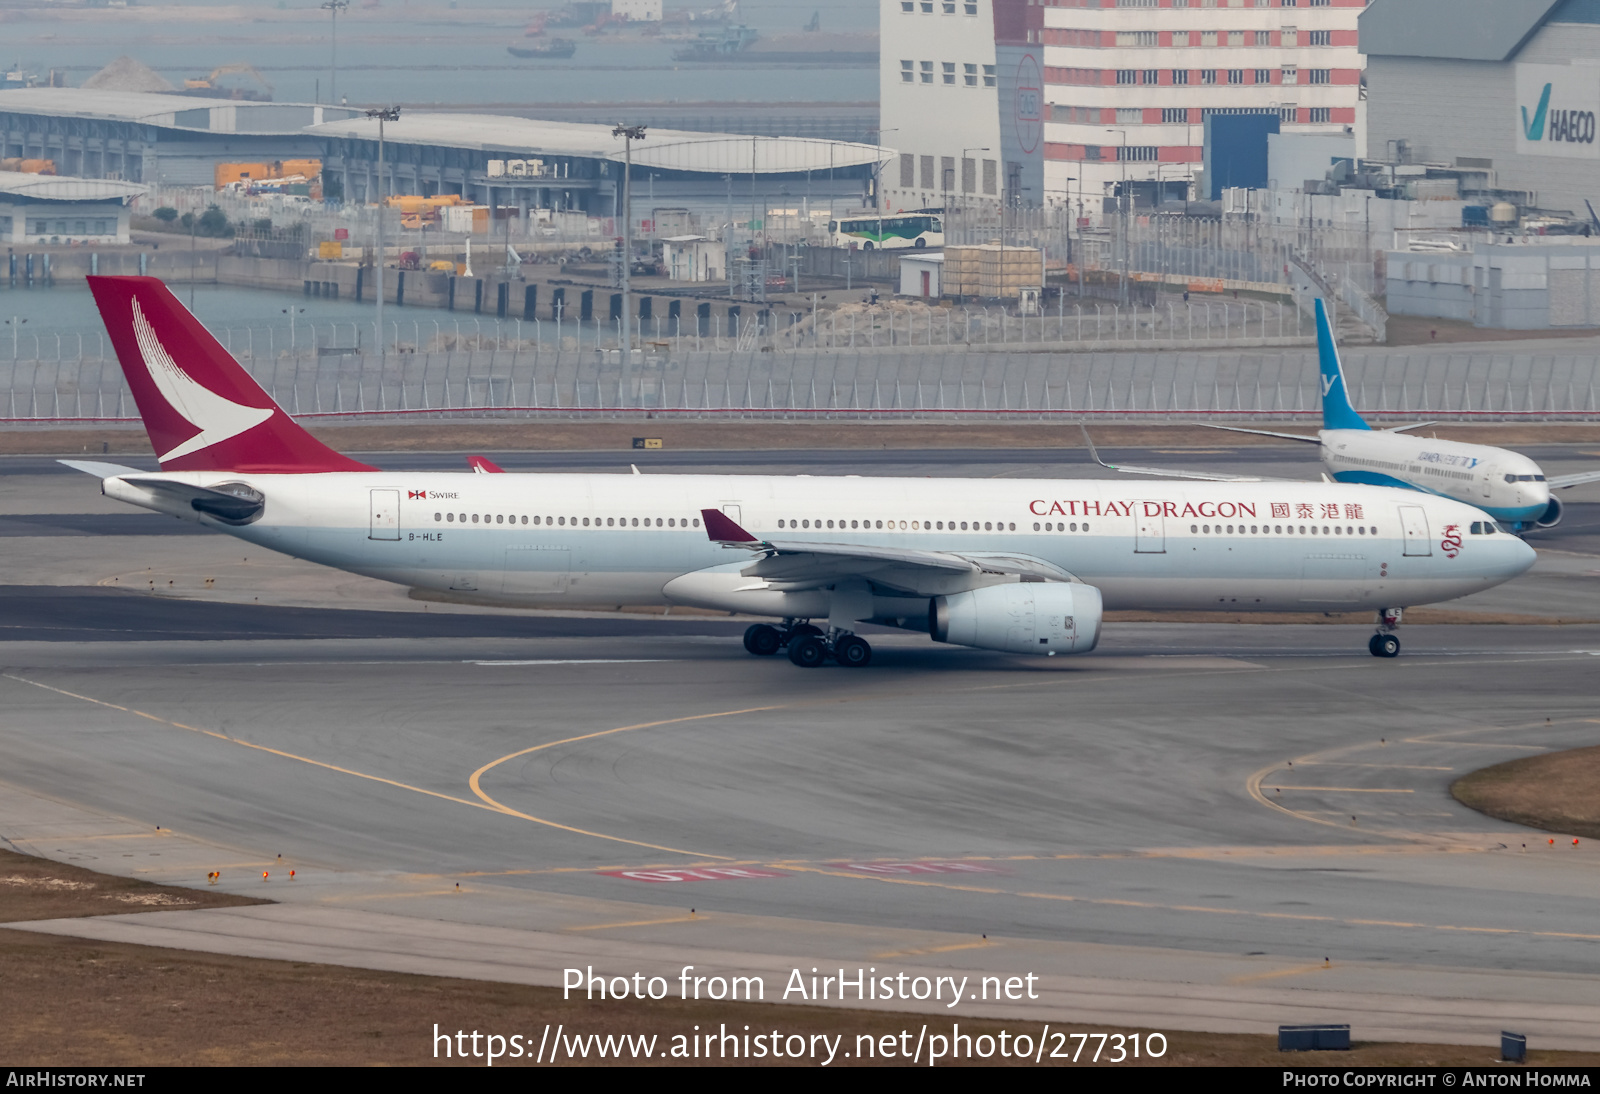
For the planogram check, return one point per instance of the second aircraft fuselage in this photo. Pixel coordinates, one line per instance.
(1507, 485)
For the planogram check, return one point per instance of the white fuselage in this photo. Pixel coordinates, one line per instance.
(1507, 485)
(550, 539)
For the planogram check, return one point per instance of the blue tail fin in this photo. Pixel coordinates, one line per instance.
(1337, 413)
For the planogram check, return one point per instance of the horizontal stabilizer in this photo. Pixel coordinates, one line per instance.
(100, 470)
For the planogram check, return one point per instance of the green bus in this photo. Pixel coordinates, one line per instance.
(888, 232)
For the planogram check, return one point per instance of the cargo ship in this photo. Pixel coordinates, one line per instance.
(558, 49)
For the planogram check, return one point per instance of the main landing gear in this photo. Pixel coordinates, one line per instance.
(808, 646)
(1385, 643)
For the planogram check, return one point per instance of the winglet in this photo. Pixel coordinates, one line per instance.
(1337, 413)
(483, 465)
(721, 528)
(1093, 453)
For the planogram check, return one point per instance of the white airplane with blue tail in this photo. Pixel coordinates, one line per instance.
(1507, 485)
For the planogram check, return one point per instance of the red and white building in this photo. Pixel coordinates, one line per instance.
(1116, 88)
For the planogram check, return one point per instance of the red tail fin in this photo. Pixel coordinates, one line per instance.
(202, 410)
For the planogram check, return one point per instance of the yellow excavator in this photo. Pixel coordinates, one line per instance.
(208, 86)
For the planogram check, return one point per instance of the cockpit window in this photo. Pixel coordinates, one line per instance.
(1538, 478)
(1511, 478)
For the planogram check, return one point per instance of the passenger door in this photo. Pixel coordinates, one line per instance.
(1414, 524)
(385, 519)
(1150, 534)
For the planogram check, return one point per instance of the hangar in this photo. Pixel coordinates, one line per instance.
(1508, 88)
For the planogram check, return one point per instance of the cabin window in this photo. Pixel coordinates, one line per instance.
(697, 522)
(474, 518)
(1085, 526)
(914, 526)
(1362, 529)
(524, 520)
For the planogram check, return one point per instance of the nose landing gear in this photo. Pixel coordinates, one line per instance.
(1385, 643)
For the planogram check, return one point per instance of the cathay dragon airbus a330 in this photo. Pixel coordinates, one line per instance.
(1013, 565)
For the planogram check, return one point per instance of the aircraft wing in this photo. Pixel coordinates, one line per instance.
(1562, 482)
(1269, 433)
(793, 565)
(1165, 472)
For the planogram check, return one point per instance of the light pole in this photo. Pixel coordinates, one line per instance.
(333, 8)
(1122, 216)
(383, 114)
(964, 152)
(629, 134)
(291, 313)
(878, 169)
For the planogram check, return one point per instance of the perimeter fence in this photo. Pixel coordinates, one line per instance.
(864, 384)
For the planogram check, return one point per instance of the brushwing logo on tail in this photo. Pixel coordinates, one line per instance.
(217, 418)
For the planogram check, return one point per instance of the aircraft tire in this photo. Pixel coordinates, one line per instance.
(852, 652)
(808, 652)
(1385, 645)
(762, 640)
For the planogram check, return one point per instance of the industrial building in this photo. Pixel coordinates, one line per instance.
(51, 209)
(1509, 89)
(506, 161)
(148, 137)
(167, 140)
(1075, 97)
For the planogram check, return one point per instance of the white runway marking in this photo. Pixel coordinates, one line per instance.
(581, 661)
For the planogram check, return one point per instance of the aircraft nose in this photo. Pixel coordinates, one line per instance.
(1520, 556)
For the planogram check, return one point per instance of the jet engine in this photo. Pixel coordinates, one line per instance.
(1022, 617)
(1552, 515)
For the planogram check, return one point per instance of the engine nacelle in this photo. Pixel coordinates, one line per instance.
(1024, 617)
(1551, 516)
